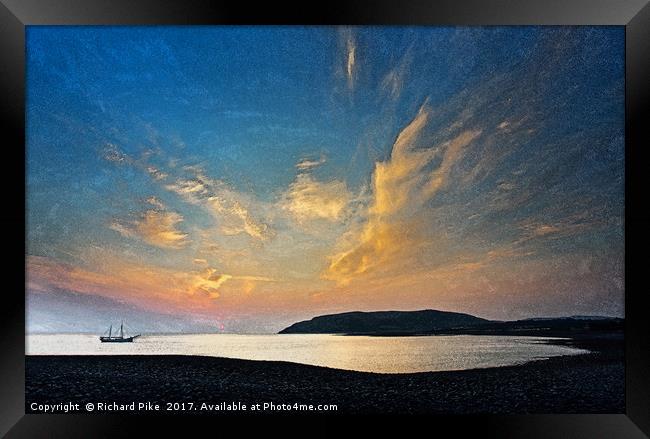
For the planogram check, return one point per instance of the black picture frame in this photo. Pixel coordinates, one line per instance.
(633, 14)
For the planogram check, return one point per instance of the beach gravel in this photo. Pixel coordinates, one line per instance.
(589, 383)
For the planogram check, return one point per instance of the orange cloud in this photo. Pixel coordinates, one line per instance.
(155, 227)
(151, 287)
(192, 292)
(401, 187)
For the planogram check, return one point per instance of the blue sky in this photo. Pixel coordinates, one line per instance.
(256, 175)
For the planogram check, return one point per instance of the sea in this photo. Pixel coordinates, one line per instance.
(359, 353)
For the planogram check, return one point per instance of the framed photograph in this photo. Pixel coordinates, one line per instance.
(424, 210)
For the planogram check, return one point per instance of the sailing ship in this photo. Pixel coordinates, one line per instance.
(117, 338)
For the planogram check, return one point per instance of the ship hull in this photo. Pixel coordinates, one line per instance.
(117, 339)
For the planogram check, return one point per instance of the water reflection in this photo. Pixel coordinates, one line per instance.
(369, 354)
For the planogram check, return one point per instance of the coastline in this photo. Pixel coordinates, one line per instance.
(586, 383)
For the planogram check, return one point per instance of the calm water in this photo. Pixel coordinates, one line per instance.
(370, 354)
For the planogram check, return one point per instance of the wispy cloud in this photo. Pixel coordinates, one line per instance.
(308, 199)
(351, 61)
(229, 207)
(308, 164)
(155, 202)
(114, 154)
(225, 204)
(349, 56)
(210, 281)
(393, 82)
(559, 228)
(156, 173)
(156, 226)
(401, 187)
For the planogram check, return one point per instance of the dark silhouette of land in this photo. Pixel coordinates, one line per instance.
(382, 322)
(433, 322)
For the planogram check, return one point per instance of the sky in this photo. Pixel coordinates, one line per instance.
(239, 179)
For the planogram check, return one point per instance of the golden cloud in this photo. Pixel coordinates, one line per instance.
(401, 187)
(308, 199)
(210, 281)
(157, 227)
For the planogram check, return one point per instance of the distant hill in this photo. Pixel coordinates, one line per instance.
(594, 318)
(383, 322)
(443, 322)
(551, 326)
